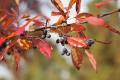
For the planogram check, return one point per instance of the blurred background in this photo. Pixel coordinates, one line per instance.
(60, 67)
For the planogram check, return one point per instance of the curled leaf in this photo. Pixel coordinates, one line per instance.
(77, 57)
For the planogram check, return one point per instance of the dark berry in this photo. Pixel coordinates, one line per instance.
(89, 42)
(57, 41)
(68, 54)
(45, 32)
(65, 50)
(48, 36)
(62, 42)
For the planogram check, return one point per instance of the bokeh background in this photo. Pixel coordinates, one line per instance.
(60, 67)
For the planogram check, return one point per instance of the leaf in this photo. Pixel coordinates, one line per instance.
(17, 2)
(76, 42)
(71, 4)
(60, 20)
(21, 29)
(99, 22)
(58, 4)
(17, 58)
(77, 27)
(83, 15)
(91, 59)
(39, 23)
(78, 5)
(77, 57)
(2, 40)
(3, 53)
(102, 3)
(53, 13)
(43, 47)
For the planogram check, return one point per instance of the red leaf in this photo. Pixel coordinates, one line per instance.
(91, 59)
(102, 3)
(43, 47)
(77, 27)
(99, 22)
(76, 42)
(21, 29)
(39, 23)
(2, 40)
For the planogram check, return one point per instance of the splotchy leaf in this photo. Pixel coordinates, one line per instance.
(91, 59)
(43, 47)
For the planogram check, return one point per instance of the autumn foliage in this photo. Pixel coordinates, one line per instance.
(16, 40)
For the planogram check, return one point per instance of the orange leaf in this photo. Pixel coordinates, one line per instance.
(58, 4)
(71, 4)
(55, 13)
(60, 20)
(91, 59)
(77, 57)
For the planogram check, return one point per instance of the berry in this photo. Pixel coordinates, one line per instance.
(68, 54)
(57, 41)
(89, 42)
(45, 32)
(48, 36)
